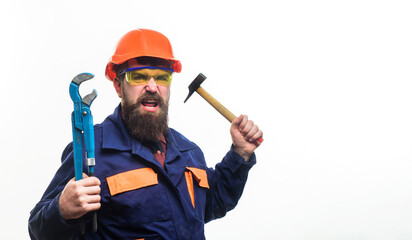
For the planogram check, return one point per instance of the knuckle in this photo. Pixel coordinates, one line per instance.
(255, 130)
(81, 200)
(94, 181)
(71, 185)
(98, 190)
(84, 206)
(77, 193)
(97, 180)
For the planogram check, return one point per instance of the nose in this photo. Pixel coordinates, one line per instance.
(151, 86)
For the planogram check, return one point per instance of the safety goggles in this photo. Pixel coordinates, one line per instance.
(142, 75)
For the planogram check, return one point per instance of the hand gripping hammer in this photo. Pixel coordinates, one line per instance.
(195, 87)
(82, 124)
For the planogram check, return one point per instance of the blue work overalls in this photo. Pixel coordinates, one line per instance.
(139, 198)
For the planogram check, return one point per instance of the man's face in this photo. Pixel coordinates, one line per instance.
(151, 87)
(145, 106)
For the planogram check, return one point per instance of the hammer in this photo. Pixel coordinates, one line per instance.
(195, 86)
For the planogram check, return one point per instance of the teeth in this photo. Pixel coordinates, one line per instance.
(150, 103)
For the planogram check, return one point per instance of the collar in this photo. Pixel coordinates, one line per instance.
(157, 146)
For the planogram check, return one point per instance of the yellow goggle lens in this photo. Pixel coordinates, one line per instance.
(143, 76)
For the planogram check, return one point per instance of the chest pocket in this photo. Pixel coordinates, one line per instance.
(200, 176)
(136, 197)
(131, 180)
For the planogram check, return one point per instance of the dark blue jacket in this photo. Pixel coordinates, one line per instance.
(139, 198)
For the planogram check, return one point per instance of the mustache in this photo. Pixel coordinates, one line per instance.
(150, 97)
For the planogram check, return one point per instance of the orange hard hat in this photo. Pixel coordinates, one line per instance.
(141, 43)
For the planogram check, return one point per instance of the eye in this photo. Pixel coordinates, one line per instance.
(138, 77)
(163, 78)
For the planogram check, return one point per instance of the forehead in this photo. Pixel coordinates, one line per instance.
(133, 63)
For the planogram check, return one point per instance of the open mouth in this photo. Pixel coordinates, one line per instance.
(150, 105)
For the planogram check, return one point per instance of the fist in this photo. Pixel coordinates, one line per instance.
(244, 134)
(80, 197)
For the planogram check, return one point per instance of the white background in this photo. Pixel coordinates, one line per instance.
(329, 82)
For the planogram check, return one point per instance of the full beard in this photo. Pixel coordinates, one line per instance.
(144, 125)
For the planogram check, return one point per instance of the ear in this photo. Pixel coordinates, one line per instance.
(118, 86)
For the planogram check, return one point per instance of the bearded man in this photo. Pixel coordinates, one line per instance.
(150, 181)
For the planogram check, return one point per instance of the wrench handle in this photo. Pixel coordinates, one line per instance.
(221, 109)
(94, 214)
(94, 221)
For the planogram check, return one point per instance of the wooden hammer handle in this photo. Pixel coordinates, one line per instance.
(220, 108)
(216, 104)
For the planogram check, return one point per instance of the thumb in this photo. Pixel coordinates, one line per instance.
(236, 122)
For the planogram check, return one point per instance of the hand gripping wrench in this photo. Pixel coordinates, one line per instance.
(82, 124)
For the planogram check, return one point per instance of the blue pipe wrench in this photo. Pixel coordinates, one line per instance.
(82, 124)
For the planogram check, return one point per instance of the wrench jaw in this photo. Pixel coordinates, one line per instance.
(75, 84)
(89, 98)
(82, 77)
(78, 101)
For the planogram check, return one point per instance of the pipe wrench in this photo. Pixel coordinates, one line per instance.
(82, 126)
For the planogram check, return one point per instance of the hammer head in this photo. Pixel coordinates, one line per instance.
(195, 85)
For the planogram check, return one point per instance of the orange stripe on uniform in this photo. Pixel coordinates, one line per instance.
(189, 182)
(200, 176)
(131, 180)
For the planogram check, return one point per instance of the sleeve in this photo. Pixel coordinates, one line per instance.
(226, 182)
(45, 220)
